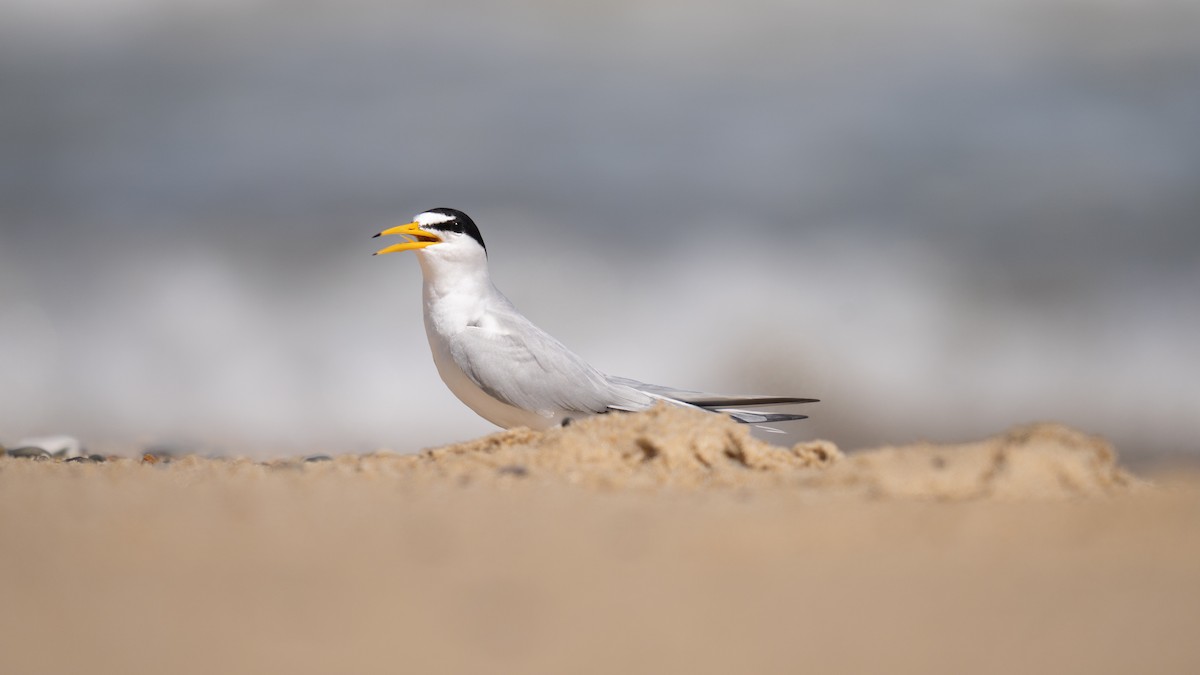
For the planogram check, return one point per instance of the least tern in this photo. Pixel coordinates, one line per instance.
(509, 371)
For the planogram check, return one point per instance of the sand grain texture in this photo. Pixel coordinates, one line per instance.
(659, 542)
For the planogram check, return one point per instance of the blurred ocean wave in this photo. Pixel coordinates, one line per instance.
(940, 218)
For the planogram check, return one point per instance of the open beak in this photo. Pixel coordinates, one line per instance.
(420, 238)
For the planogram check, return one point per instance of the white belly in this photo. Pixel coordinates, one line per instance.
(495, 411)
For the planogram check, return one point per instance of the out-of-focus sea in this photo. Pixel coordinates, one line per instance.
(941, 218)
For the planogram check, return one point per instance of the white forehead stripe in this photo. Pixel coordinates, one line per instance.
(431, 218)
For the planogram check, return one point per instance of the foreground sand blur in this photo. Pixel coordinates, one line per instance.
(659, 542)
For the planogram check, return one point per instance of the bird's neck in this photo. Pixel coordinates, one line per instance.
(445, 279)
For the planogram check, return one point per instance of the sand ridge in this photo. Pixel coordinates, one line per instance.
(670, 447)
(673, 448)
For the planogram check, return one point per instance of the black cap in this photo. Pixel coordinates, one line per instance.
(460, 222)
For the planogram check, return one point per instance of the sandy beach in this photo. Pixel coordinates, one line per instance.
(665, 541)
(970, 229)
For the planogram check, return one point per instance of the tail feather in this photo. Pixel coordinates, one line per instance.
(720, 403)
(748, 417)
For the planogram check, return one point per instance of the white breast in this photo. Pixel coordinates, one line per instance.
(459, 297)
(446, 313)
(497, 412)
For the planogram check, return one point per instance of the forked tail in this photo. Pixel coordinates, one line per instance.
(728, 405)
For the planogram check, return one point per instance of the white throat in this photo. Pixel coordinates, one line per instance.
(456, 268)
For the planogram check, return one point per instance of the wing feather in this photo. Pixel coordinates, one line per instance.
(516, 362)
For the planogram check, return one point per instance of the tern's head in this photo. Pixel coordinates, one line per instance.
(441, 234)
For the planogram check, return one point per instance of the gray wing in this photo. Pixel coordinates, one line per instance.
(518, 363)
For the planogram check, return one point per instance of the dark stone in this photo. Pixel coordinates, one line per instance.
(91, 459)
(513, 470)
(29, 452)
(318, 458)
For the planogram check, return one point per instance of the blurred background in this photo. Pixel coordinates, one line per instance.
(941, 218)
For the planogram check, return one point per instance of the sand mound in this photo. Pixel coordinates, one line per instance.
(664, 446)
(673, 447)
(1041, 461)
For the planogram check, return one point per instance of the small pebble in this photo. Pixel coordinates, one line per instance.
(318, 458)
(513, 470)
(58, 446)
(29, 452)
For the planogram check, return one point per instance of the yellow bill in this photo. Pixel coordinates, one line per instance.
(420, 238)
